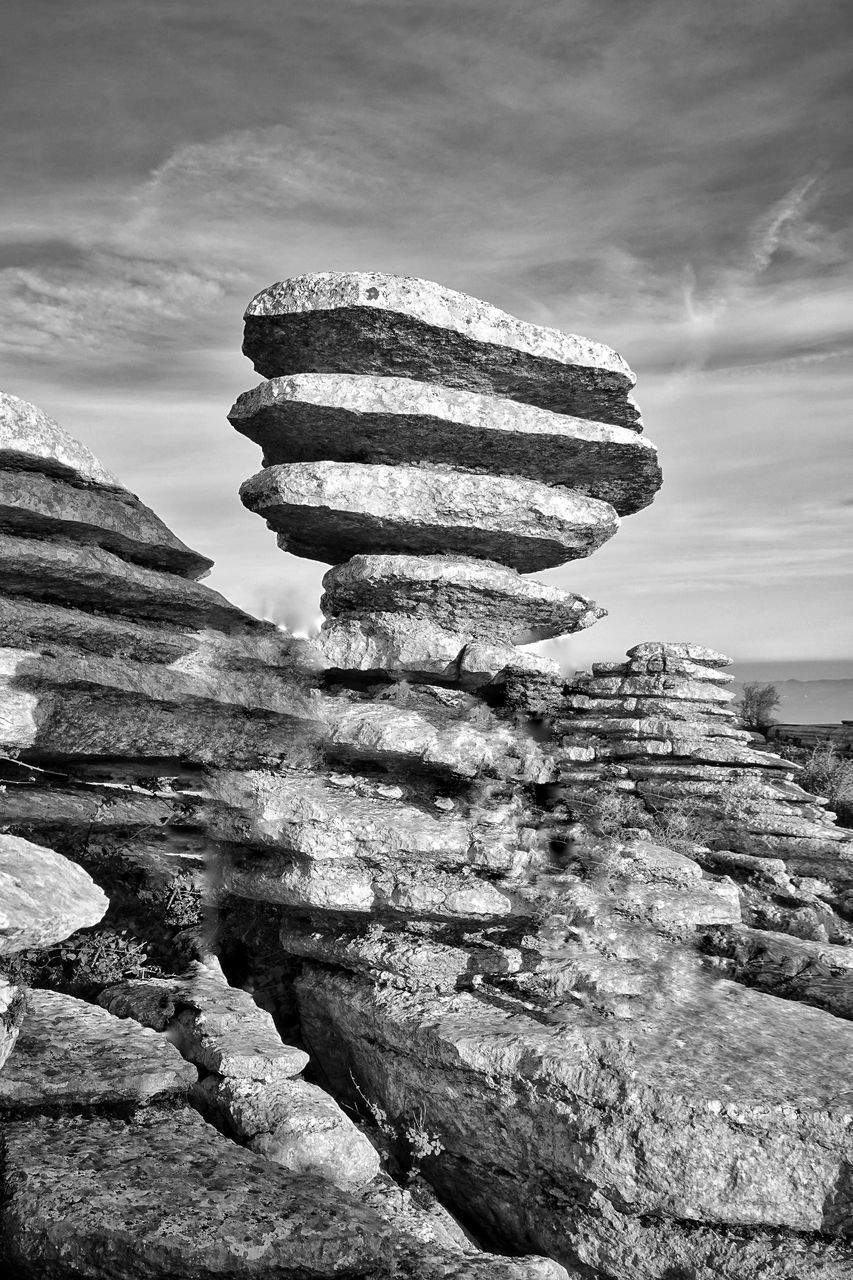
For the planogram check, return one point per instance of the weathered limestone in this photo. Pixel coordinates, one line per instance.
(293, 1124)
(33, 505)
(217, 1027)
(165, 1195)
(43, 896)
(73, 1054)
(481, 599)
(313, 416)
(332, 510)
(668, 704)
(369, 322)
(125, 687)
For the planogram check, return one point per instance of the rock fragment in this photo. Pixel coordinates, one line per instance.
(32, 441)
(480, 599)
(166, 1196)
(43, 896)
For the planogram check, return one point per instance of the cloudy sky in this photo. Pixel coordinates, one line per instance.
(672, 177)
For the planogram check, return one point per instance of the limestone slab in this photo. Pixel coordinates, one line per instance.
(214, 1025)
(476, 598)
(38, 506)
(310, 417)
(294, 1124)
(369, 322)
(418, 649)
(43, 896)
(71, 1053)
(89, 577)
(332, 510)
(167, 1196)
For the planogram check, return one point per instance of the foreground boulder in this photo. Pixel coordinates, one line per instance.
(43, 897)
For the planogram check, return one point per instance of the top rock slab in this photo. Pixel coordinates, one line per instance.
(31, 441)
(368, 322)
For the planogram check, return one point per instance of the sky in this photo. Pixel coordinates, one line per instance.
(670, 177)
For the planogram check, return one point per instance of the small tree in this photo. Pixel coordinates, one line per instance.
(756, 705)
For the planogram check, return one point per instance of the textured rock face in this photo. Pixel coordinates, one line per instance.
(43, 896)
(368, 322)
(349, 418)
(71, 1053)
(484, 600)
(452, 880)
(331, 510)
(31, 441)
(665, 716)
(100, 1198)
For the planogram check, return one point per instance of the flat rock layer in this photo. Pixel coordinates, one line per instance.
(368, 322)
(88, 577)
(166, 1196)
(352, 418)
(477, 598)
(39, 506)
(72, 1054)
(398, 645)
(43, 897)
(333, 510)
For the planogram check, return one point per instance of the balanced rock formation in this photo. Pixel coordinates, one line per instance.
(582, 1020)
(439, 447)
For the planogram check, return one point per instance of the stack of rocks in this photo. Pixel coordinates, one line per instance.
(662, 725)
(440, 448)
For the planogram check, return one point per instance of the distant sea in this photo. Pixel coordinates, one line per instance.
(811, 692)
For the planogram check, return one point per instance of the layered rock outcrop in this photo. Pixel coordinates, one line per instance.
(570, 1012)
(662, 726)
(127, 688)
(448, 877)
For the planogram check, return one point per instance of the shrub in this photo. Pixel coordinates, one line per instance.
(83, 962)
(756, 705)
(828, 774)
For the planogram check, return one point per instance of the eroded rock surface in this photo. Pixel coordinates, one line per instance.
(332, 510)
(73, 1054)
(43, 896)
